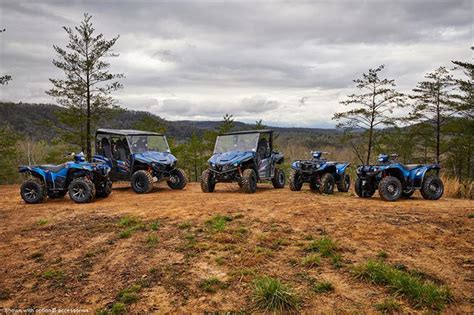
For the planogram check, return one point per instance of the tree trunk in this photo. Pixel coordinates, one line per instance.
(371, 129)
(469, 158)
(438, 127)
(370, 145)
(88, 125)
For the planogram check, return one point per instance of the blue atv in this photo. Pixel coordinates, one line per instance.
(84, 181)
(141, 157)
(322, 175)
(245, 157)
(395, 180)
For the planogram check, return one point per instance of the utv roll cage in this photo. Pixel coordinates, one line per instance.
(104, 147)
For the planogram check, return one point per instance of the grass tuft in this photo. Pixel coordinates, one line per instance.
(272, 295)
(154, 226)
(311, 261)
(42, 222)
(184, 225)
(126, 234)
(118, 308)
(152, 240)
(421, 293)
(128, 221)
(212, 284)
(322, 287)
(382, 255)
(325, 246)
(129, 295)
(218, 222)
(388, 306)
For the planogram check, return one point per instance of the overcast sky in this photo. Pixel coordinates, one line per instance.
(289, 63)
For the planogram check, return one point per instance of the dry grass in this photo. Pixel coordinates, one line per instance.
(454, 188)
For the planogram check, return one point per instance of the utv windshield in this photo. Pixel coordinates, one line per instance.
(143, 143)
(236, 142)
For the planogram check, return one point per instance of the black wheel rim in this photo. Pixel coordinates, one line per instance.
(392, 189)
(174, 180)
(281, 178)
(329, 186)
(31, 192)
(139, 183)
(79, 191)
(434, 188)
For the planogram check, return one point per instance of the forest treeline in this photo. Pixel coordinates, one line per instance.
(437, 124)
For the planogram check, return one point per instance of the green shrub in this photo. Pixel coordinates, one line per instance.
(269, 294)
(421, 293)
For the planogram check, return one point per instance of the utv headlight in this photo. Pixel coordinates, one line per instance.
(236, 164)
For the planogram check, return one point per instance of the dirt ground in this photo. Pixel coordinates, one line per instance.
(66, 255)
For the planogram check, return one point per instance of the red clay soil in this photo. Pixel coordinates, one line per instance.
(66, 255)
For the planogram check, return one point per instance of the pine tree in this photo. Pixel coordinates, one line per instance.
(259, 125)
(86, 89)
(227, 124)
(8, 154)
(462, 129)
(5, 78)
(433, 103)
(376, 101)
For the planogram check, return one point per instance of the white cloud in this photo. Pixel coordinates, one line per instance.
(286, 63)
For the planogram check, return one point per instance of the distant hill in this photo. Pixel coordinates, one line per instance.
(33, 120)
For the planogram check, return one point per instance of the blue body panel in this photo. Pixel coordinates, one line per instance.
(312, 170)
(148, 157)
(57, 180)
(231, 157)
(162, 163)
(411, 175)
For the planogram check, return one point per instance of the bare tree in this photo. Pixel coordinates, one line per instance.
(375, 102)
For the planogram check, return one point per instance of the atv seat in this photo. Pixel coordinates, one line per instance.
(412, 166)
(52, 168)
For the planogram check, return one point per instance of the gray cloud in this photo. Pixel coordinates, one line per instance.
(289, 63)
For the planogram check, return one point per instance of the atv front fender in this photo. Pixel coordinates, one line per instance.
(341, 167)
(295, 165)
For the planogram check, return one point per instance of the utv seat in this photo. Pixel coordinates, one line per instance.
(106, 148)
(121, 152)
(412, 166)
(52, 168)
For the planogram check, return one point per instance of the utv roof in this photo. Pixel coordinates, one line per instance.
(248, 131)
(126, 132)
